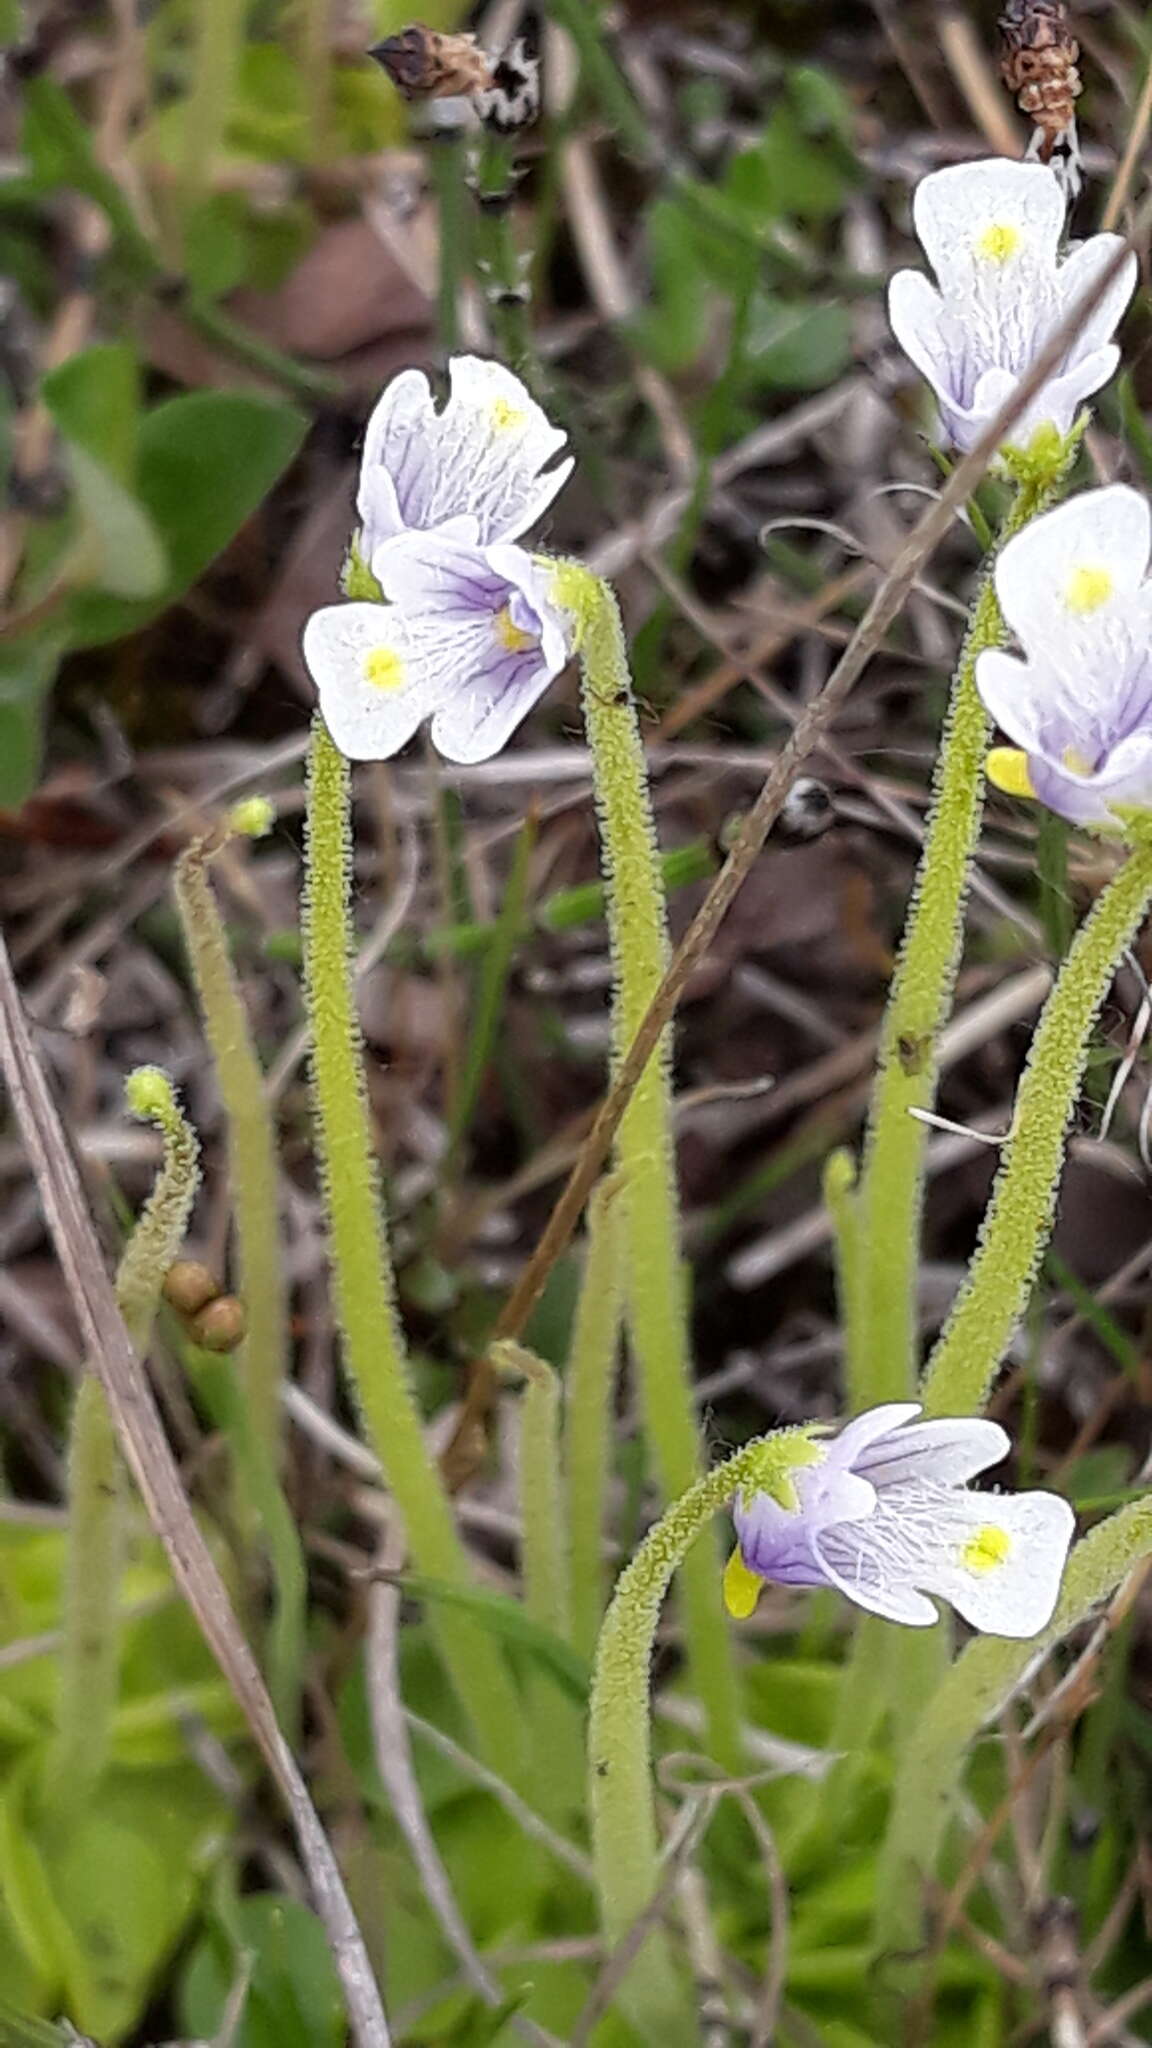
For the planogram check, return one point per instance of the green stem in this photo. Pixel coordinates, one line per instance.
(362, 1276)
(624, 1833)
(219, 42)
(501, 268)
(655, 1285)
(1019, 1218)
(252, 1154)
(973, 1692)
(588, 1386)
(446, 156)
(838, 1185)
(542, 1522)
(885, 1355)
(90, 1650)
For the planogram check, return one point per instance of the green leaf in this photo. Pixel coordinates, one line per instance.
(27, 669)
(510, 1621)
(205, 461)
(672, 332)
(800, 347)
(59, 151)
(94, 399)
(293, 1996)
(122, 553)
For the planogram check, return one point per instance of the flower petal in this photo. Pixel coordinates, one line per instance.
(845, 1448)
(917, 319)
(1002, 1560)
(487, 701)
(955, 210)
(481, 459)
(851, 1567)
(1080, 271)
(942, 1453)
(1125, 778)
(1015, 693)
(1040, 574)
(374, 688)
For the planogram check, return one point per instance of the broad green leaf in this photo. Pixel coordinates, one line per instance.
(28, 1892)
(799, 347)
(511, 1622)
(122, 552)
(126, 1902)
(94, 399)
(205, 461)
(27, 669)
(293, 1996)
(672, 332)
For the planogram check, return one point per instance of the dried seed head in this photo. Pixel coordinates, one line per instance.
(189, 1287)
(1038, 63)
(425, 65)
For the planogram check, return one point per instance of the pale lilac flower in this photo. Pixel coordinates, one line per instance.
(991, 232)
(470, 639)
(1074, 588)
(885, 1517)
(474, 471)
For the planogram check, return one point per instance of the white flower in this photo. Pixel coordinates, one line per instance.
(1074, 588)
(473, 471)
(885, 1516)
(991, 232)
(471, 638)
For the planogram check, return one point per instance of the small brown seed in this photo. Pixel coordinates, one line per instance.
(189, 1287)
(220, 1326)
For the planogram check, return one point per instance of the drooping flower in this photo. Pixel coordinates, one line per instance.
(991, 232)
(885, 1516)
(471, 638)
(474, 471)
(1074, 588)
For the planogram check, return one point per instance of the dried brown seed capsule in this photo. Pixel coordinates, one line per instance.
(425, 65)
(221, 1326)
(189, 1287)
(1038, 63)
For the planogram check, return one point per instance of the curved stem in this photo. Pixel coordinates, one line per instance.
(656, 1297)
(90, 1647)
(1019, 1217)
(252, 1160)
(374, 1351)
(624, 1835)
(883, 1358)
(976, 1688)
(588, 1387)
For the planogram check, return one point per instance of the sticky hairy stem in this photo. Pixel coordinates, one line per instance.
(252, 1156)
(654, 1278)
(884, 1354)
(620, 1788)
(974, 1691)
(589, 1389)
(365, 1303)
(544, 1560)
(1019, 1218)
(97, 1502)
